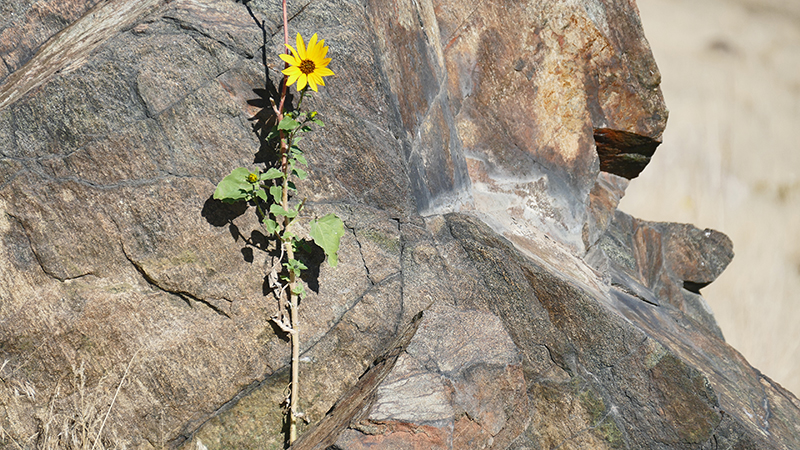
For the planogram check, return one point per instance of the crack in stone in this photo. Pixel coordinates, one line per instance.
(402, 311)
(767, 412)
(39, 258)
(631, 292)
(452, 38)
(186, 296)
(7, 65)
(187, 435)
(11, 178)
(361, 253)
(185, 25)
(336, 323)
(355, 403)
(289, 19)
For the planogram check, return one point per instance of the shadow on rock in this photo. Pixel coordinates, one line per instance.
(219, 214)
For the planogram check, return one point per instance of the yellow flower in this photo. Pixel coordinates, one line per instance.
(307, 65)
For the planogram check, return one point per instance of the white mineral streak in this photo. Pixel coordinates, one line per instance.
(69, 48)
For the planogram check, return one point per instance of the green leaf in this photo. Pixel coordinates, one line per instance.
(279, 211)
(300, 173)
(318, 122)
(327, 232)
(270, 225)
(288, 124)
(295, 266)
(271, 174)
(298, 289)
(273, 134)
(300, 158)
(262, 195)
(234, 187)
(277, 193)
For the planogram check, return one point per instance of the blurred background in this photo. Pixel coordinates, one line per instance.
(730, 160)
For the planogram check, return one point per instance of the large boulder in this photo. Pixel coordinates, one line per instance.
(488, 293)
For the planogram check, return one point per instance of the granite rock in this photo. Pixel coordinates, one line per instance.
(488, 295)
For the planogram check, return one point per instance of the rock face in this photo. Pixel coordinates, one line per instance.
(488, 293)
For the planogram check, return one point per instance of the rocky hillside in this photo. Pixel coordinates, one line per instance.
(488, 295)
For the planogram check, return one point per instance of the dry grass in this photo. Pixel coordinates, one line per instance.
(75, 417)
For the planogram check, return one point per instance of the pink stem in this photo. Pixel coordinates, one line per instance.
(285, 49)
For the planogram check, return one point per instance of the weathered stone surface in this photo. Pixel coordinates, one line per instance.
(622, 153)
(673, 261)
(527, 101)
(121, 278)
(70, 47)
(26, 25)
(600, 369)
(461, 376)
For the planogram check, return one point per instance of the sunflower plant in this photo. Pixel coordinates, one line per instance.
(271, 191)
(307, 65)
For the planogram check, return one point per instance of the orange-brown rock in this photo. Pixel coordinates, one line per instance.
(460, 151)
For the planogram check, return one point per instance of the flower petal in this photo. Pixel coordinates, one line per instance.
(294, 53)
(289, 59)
(312, 46)
(302, 81)
(291, 70)
(293, 77)
(314, 78)
(322, 51)
(301, 47)
(307, 57)
(312, 83)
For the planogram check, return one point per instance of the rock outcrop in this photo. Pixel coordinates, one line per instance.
(488, 295)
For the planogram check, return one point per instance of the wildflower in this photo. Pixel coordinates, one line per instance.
(307, 65)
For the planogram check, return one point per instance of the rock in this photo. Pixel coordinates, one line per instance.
(459, 150)
(602, 370)
(26, 25)
(622, 153)
(671, 261)
(527, 102)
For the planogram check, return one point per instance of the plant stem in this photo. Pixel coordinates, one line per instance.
(286, 50)
(287, 244)
(293, 316)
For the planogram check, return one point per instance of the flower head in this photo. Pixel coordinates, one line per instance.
(307, 65)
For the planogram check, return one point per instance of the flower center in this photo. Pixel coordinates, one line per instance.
(307, 66)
